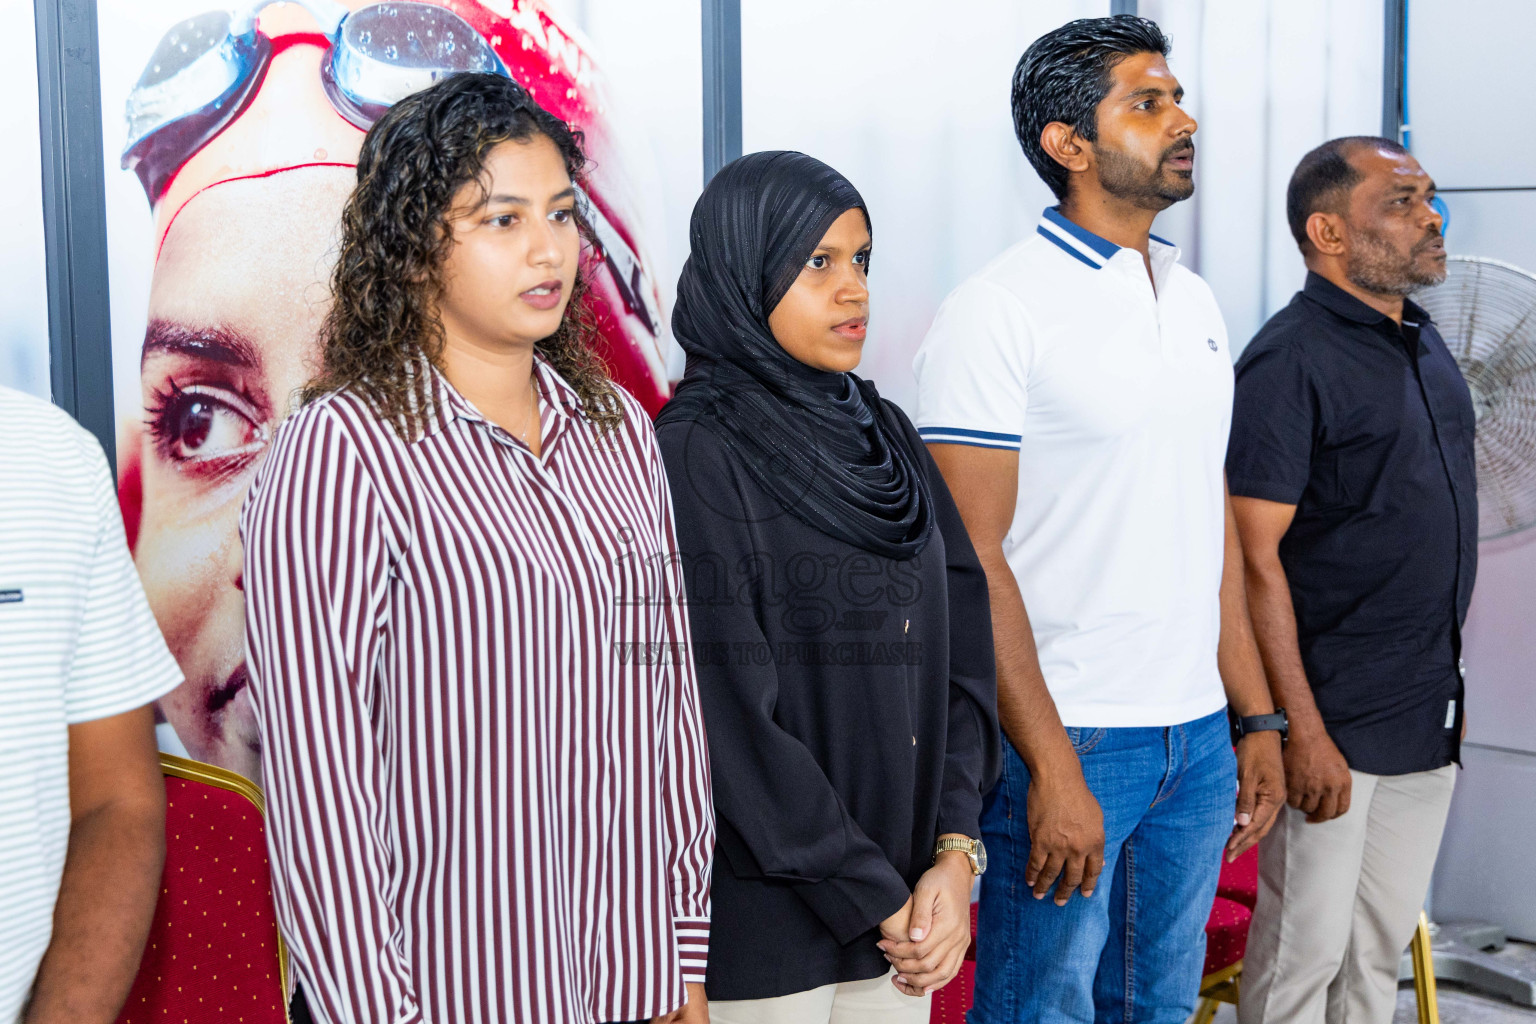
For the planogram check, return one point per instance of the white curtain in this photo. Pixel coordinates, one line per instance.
(1268, 80)
(23, 282)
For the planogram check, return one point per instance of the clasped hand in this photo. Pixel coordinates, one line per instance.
(926, 940)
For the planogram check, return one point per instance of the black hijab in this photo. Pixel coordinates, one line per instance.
(822, 444)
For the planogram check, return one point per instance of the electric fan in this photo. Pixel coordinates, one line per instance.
(1486, 311)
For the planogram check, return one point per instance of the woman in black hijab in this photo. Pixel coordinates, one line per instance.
(839, 615)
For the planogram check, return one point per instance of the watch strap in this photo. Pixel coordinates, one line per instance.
(1275, 722)
(953, 843)
(970, 847)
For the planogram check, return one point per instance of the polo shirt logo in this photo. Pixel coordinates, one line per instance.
(10, 596)
(1211, 342)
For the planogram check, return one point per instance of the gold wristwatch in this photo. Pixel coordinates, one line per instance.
(973, 849)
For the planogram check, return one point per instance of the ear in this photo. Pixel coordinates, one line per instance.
(1327, 233)
(1061, 141)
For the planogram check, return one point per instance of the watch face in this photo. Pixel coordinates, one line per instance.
(981, 857)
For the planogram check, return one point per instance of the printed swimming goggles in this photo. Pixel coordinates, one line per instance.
(206, 70)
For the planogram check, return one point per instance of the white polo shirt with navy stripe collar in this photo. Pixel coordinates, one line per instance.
(1118, 398)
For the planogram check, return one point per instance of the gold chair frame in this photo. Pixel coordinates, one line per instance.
(1225, 985)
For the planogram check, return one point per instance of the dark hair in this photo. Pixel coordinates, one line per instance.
(1323, 180)
(1065, 75)
(395, 238)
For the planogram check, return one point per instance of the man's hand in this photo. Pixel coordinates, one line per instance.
(1066, 837)
(930, 954)
(1260, 790)
(1251, 664)
(694, 1011)
(1316, 775)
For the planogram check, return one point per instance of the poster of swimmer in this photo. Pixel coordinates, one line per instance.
(230, 138)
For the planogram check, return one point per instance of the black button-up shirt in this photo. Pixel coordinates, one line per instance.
(1366, 427)
(850, 704)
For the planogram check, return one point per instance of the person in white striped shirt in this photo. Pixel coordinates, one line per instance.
(486, 774)
(82, 805)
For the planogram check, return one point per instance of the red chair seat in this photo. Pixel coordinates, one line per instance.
(1226, 934)
(953, 1001)
(1239, 880)
(213, 953)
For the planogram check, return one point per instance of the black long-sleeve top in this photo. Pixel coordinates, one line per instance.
(850, 704)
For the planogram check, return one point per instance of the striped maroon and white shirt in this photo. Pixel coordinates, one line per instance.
(486, 771)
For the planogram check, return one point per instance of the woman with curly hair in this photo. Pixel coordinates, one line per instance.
(486, 776)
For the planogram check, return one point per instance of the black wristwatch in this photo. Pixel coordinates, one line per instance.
(1276, 722)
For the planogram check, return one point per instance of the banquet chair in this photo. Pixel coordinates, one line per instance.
(1226, 935)
(213, 953)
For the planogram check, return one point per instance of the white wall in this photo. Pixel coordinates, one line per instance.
(23, 284)
(1268, 80)
(1468, 118)
(1473, 128)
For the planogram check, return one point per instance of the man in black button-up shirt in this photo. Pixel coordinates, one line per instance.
(1352, 477)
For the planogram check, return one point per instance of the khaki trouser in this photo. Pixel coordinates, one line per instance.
(1338, 902)
(853, 1002)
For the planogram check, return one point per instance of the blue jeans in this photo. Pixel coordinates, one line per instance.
(1134, 951)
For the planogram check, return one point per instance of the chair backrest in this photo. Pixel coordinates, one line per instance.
(213, 953)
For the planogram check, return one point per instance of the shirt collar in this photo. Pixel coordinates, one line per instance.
(1085, 246)
(1336, 300)
(557, 397)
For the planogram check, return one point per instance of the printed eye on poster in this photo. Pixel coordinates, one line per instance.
(231, 139)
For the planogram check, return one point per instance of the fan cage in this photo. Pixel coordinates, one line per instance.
(1486, 312)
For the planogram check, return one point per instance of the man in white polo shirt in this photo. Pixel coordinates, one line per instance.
(82, 803)
(1077, 394)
